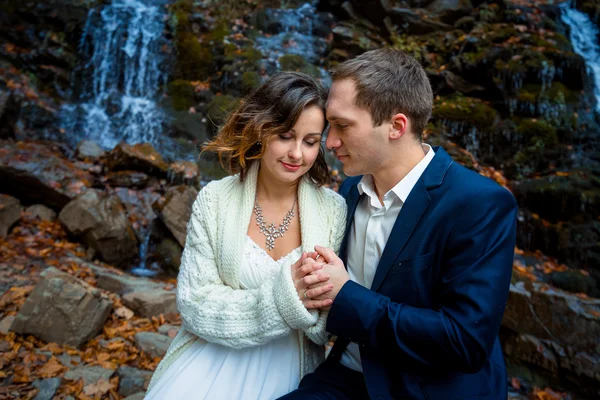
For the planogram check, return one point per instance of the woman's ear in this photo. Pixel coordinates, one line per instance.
(398, 126)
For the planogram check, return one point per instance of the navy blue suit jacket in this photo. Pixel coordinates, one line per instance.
(428, 326)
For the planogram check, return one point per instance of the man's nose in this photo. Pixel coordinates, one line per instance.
(333, 141)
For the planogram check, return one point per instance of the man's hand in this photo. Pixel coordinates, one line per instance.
(334, 269)
(306, 273)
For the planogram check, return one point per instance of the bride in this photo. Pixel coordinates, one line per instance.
(250, 329)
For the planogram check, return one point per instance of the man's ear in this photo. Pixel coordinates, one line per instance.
(399, 126)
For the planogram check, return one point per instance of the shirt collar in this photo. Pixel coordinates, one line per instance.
(402, 188)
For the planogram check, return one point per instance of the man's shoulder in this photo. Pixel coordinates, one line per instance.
(348, 184)
(472, 187)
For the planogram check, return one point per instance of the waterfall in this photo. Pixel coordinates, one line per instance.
(584, 38)
(121, 83)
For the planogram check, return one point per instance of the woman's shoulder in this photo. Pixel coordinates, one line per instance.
(214, 191)
(331, 198)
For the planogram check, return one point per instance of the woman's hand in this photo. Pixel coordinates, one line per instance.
(305, 273)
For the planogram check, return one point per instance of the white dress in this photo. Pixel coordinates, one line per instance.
(212, 371)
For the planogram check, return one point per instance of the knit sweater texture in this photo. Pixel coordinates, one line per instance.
(212, 304)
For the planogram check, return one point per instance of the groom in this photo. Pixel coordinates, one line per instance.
(422, 277)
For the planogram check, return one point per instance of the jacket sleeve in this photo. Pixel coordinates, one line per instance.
(220, 314)
(473, 291)
(317, 332)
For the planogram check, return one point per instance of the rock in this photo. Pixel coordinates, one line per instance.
(175, 211)
(10, 213)
(88, 150)
(168, 254)
(559, 198)
(154, 344)
(100, 221)
(89, 374)
(151, 303)
(62, 309)
(577, 244)
(188, 125)
(139, 157)
(47, 388)
(458, 83)
(42, 212)
(5, 324)
(575, 282)
(37, 173)
(529, 349)
(551, 314)
(116, 281)
(551, 357)
(352, 40)
(132, 380)
(69, 360)
(449, 11)
(130, 179)
(169, 330)
(9, 114)
(137, 396)
(184, 172)
(412, 23)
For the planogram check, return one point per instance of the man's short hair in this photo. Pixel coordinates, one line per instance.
(389, 82)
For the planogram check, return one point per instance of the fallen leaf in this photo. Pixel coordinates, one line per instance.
(97, 389)
(51, 369)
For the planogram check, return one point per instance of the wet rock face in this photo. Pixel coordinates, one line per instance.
(62, 309)
(10, 213)
(99, 220)
(37, 173)
(175, 211)
(140, 157)
(9, 113)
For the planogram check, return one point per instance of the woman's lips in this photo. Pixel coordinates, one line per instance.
(291, 167)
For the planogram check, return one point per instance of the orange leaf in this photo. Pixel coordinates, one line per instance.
(97, 389)
(51, 369)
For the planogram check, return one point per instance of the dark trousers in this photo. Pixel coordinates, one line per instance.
(331, 381)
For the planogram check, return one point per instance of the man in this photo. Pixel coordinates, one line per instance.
(423, 274)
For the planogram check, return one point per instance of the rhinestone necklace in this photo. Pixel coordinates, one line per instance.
(271, 231)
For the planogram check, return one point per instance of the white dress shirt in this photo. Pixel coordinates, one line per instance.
(373, 223)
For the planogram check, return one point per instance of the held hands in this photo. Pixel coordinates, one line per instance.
(306, 272)
(318, 277)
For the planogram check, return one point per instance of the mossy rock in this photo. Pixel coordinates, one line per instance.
(466, 109)
(592, 9)
(220, 107)
(195, 59)
(294, 62)
(219, 32)
(535, 131)
(250, 80)
(182, 94)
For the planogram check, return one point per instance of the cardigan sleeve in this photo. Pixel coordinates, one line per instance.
(317, 332)
(218, 313)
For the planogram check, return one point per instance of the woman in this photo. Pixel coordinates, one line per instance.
(246, 331)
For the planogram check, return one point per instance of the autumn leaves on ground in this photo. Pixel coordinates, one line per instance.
(33, 365)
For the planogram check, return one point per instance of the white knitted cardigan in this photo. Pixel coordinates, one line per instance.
(210, 300)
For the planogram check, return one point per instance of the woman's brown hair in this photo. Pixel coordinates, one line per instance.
(271, 109)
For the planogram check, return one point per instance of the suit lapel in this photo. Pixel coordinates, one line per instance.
(417, 202)
(353, 198)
